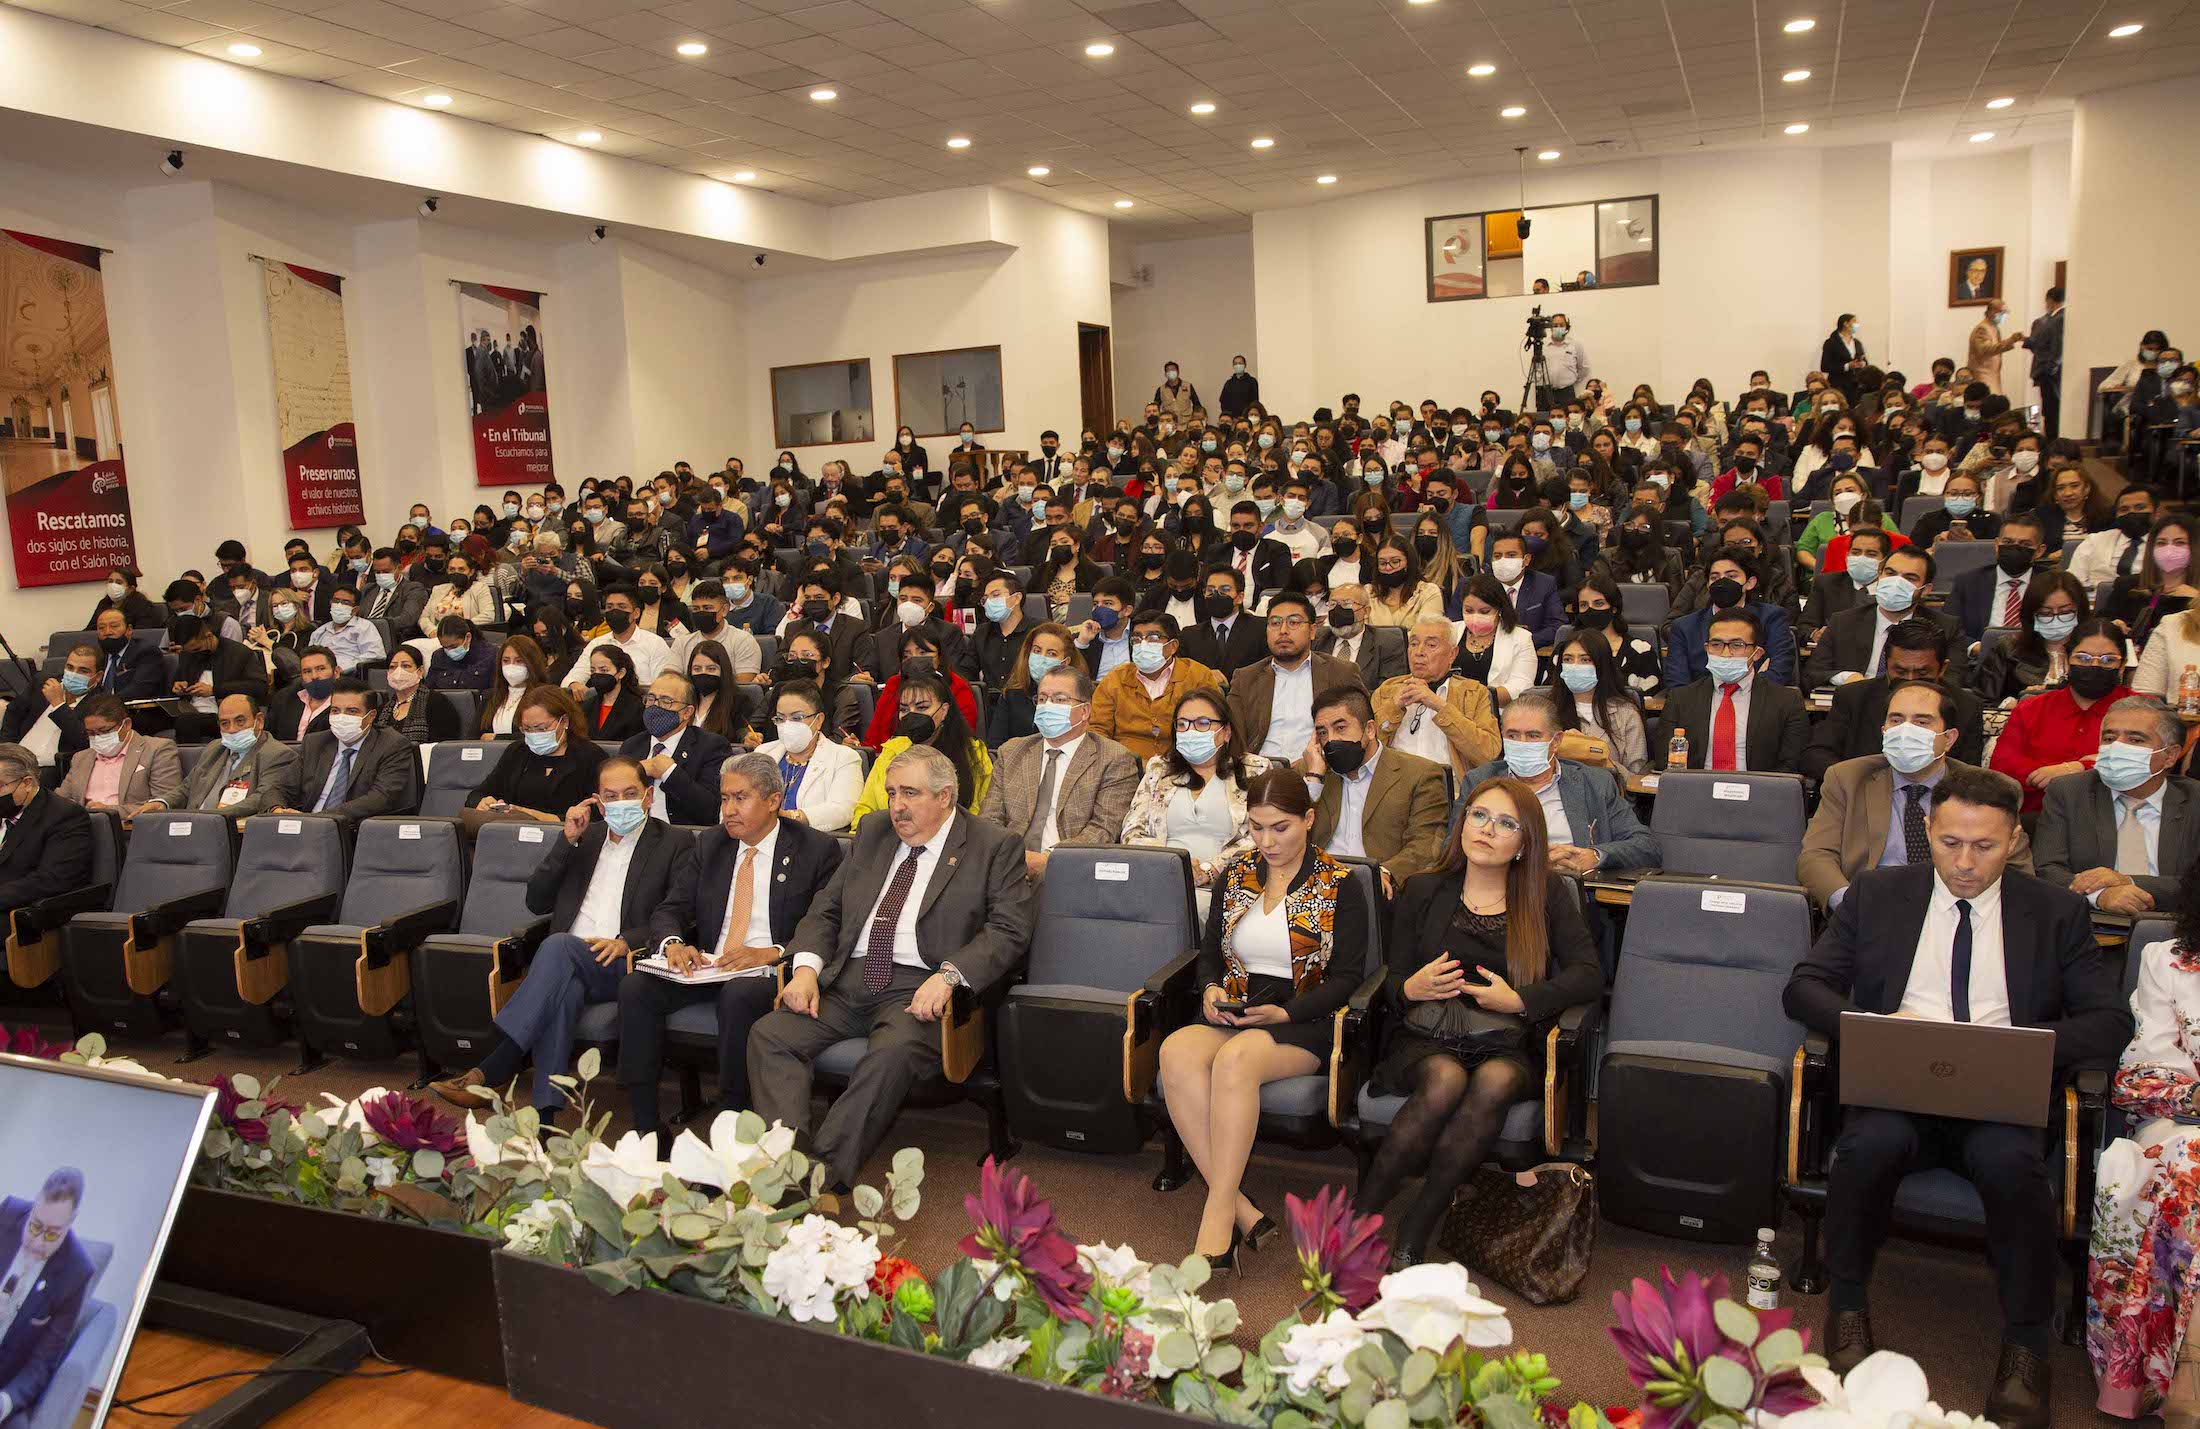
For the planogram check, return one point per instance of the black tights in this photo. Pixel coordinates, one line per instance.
(1445, 1130)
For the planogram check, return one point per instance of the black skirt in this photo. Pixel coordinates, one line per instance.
(1315, 1037)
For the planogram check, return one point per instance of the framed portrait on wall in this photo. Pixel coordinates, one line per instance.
(1974, 277)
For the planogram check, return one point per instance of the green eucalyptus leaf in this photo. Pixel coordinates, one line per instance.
(1729, 1385)
(1222, 1360)
(1193, 1273)
(243, 1084)
(869, 1202)
(1389, 1414)
(428, 1163)
(638, 1223)
(1419, 1371)
(1736, 1321)
(590, 1065)
(691, 1227)
(1356, 1401)
(1176, 1350)
(1371, 1360)
(749, 1127)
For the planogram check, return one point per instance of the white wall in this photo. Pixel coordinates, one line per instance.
(1197, 312)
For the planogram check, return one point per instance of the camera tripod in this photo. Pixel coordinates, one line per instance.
(1539, 375)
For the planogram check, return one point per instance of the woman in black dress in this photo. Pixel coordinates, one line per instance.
(1510, 952)
(1286, 940)
(546, 771)
(613, 706)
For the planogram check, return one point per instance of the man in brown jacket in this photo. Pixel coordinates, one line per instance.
(1434, 712)
(1135, 704)
(1375, 803)
(1272, 702)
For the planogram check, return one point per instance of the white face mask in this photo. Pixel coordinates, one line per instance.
(108, 745)
(1507, 569)
(1933, 461)
(282, 613)
(1846, 501)
(116, 590)
(515, 675)
(402, 680)
(794, 735)
(2025, 462)
(347, 727)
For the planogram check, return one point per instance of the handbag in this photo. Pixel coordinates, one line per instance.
(1467, 1028)
(1531, 1233)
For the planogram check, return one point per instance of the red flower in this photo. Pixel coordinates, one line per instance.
(1342, 1256)
(27, 1042)
(1016, 1228)
(253, 1128)
(887, 1276)
(412, 1125)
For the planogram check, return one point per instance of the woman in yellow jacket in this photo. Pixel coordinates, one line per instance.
(928, 716)
(1400, 596)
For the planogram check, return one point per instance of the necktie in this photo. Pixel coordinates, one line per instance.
(1722, 729)
(1222, 634)
(2131, 841)
(1913, 826)
(339, 783)
(1035, 835)
(1959, 978)
(743, 906)
(878, 960)
(2012, 603)
(2129, 558)
(656, 751)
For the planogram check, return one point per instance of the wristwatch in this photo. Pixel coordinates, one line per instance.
(953, 975)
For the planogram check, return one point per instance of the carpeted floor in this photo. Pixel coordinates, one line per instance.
(1933, 1303)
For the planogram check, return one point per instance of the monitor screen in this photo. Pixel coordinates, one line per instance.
(92, 1167)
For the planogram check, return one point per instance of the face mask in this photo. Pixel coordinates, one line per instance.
(1507, 569)
(1961, 505)
(1373, 476)
(1841, 461)
(706, 685)
(1052, 721)
(2025, 462)
(1345, 756)
(1728, 669)
(917, 728)
(2172, 560)
(1208, 445)
(2165, 367)
(660, 722)
(1115, 454)
(456, 653)
(534, 513)
(1909, 747)
(1725, 592)
(1633, 425)
(624, 815)
(1660, 480)
(300, 580)
(116, 590)
(283, 613)
(2180, 389)
(1745, 465)
(1893, 593)
(617, 621)
(1528, 758)
(903, 441)
(1196, 746)
(1581, 679)
(2124, 767)
(318, 689)
(909, 613)
(1541, 441)
(347, 727)
(1217, 607)
(2134, 524)
(794, 735)
(402, 680)
(1558, 334)
(515, 675)
(996, 608)
(541, 741)
(1933, 461)
(1148, 657)
(603, 684)
(240, 741)
(107, 746)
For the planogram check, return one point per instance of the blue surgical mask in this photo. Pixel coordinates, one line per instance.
(1728, 669)
(1266, 505)
(624, 815)
(2124, 767)
(1208, 445)
(1581, 679)
(1233, 483)
(1052, 721)
(996, 608)
(1267, 440)
(1893, 593)
(387, 580)
(1578, 500)
(1634, 425)
(2165, 367)
(1040, 665)
(1863, 570)
(359, 565)
(240, 741)
(1960, 505)
(1909, 747)
(1197, 746)
(1373, 476)
(2054, 628)
(1527, 758)
(541, 741)
(1149, 657)
(1541, 441)
(75, 682)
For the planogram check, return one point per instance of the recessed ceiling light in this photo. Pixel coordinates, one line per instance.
(1982, 136)
(1797, 27)
(692, 48)
(1547, 155)
(1511, 111)
(1038, 171)
(823, 95)
(1100, 49)
(1326, 179)
(1203, 107)
(436, 101)
(744, 176)
(1122, 203)
(589, 136)
(2122, 32)
(1795, 76)
(1796, 129)
(958, 142)
(1264, 142)
(2002, 103)
(1482, 71)
(244, 51)
(1417, 2)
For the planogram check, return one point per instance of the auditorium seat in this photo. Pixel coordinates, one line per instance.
(1913, 511)
(177, 868)
(407, 878)
(1955, 558)
(36, 931)
(1645, 606)
(456, 770)
(461, 978)
(232, 969)
(1729, 823)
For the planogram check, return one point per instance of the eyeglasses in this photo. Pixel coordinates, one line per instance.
(664, 702)
(1728, 647)
(1484, 819)
(1205, 724)
(39, 1230)
(2099, 662)
(1064, 701)
(1157, 641)
(1287, 622)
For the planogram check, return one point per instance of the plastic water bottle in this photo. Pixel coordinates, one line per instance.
(2188, 691)
(1676, 753)
(1764, 1274)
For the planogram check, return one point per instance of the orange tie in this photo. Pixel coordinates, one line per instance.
(743, 906)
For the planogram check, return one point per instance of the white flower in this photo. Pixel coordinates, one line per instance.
(516, 1151)
(1886, 1391)
(626, 1170)
(1004, 1289)
(382, 1170)
(1000, 1352)
(1431, 1306)
(529, 1231)
(117, 1064)
(1317, 1352)
(1119, 1266)
(819, 1261)
(726, 1161)
(353, 1113)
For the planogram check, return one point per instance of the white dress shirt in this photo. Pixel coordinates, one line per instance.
(1347, 839)
(905, 927)
(659, 807)
(600, 905)
(1741, 720)
(24, 1271)
(2095, 561)
(1929, 994)
(758, 934)
(646, 648)
(1347, 647)
(1418, 732)
(1557, 828)
(1050, 832)
(2003, 584)
(2148, 812)
(1290, 712)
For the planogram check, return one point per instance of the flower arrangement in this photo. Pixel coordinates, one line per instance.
(90, 1051)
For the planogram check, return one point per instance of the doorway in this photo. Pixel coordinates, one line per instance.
(1096, 376)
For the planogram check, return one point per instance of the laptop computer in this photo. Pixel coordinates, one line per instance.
(1955, 1069)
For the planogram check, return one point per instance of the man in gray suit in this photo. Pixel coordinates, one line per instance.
(1591, 825)
(930, 900)
(387, 595)
(244, 774)
(2045, 343)
(1065, 784)
(2125, 836)
(1377, 652)
(354, 767)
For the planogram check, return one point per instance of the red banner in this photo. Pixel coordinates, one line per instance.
(507, 398)
(72, 527)
(313, 412)
(321, 474)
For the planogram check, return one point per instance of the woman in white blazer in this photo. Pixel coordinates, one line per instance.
(823, 778)
(2174, 644)
(1492, 647)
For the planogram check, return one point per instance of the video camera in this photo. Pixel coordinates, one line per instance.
(1538, 326)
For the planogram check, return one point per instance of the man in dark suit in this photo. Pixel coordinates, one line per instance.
(680, 761)
(128, 668)
(1963, 940)
(50, 714)
(1225, 638)
(386, 596)
(354, 767)
(1733, 585)
(301, 707)
(818, 604)
(930, 900)
(600, 883)
(2045, 343)
(45, 841)
(1916, 650)
(1263, 561)
(38, 1318)
(209, 666)
(734, 901)
(1990, 595)
(2126, 837)
(1378, 652)
(1853, 643)
(1537, 605)
(1767, 727)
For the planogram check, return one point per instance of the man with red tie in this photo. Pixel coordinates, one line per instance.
(1735, 716)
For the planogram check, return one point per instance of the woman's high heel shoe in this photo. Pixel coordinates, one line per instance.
(1262, 1229)
(1227, 1262)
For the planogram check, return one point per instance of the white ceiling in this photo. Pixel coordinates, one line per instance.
(1372, 91)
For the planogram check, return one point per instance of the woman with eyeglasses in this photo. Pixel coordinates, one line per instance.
(546, 771)
(2057, 733)
(2038, 655)
(823, 777)
(1484, 954)
(1192, 796)
(1014, 711)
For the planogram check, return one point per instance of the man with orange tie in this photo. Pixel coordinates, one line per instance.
(735, 899)
(1736, 717)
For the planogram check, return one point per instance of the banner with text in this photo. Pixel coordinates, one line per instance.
(60, 420)
(507, 391)
(313, 421)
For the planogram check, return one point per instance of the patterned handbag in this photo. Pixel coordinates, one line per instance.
(1531, 1233)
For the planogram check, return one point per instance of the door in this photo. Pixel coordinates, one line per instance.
(1096, 376)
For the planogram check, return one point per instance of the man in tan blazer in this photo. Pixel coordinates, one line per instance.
(1434, 712)
(1862, 820)
(122, 770)
(240, 784)
(1272, 702)
(1065, 784)
(1125, 704)
(1375, 803)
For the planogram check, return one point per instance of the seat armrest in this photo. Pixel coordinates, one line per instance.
(516, 949)
(1811, 1109)
(280, 925)
(1175, 975)
(962, 1033)
(1145, 1019)
(150, 925)
(1566, 1074)
(1352, 1046)
(402, 932)
(33, 919)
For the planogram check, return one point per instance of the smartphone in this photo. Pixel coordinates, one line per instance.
(1233, 1008)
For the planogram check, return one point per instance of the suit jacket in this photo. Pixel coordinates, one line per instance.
(1971, 600)
(1597, 810)
(385, 779)
(1248, 644)
(1091, 796)
(2057, 976)
(1402, 822)
(261, 774)
(977, 911)
(560, 882)
(1778, 726)
(1253, 695)
(38, 1338)
(689, 789)
(1847, 834)
(151, 769)
(48, 850)
(1271, 564)
(138, 673)
(1851, 728)
(1381, 655)
(693, 908)
(400, 607)
(286, 715)
(1538, 608)
(1846, 644)
(1468, 719)
(2078, 831)
(24, 710)
(2045, 343)
(1687, 662)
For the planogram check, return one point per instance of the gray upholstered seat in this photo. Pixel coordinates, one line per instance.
(1729, 824)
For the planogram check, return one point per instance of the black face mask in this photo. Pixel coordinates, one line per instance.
(1425, 547)
(1390, 580)
(1125, 525)
(575, 609)
(649, 594)
(115, 644)
(790, 670)
(2013, 560)
(1344, 755)
(1345, 547)
(1724, 592)
(1440, 504)
(2134, 524)
(461, 584)
(9, 806)
(917, 728)
(617, 621)
(676, 569)
(1592, 618)
(706, 685)
(2094, 681)
(705, 621)
(1633, 540)
(1745, 464)
(603, 684)
(817, 612)
(1245, 540)
(1217, 607)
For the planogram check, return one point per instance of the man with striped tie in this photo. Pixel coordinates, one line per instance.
(929, 900)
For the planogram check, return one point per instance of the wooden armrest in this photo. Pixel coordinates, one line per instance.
(1564, 1046)
(1144, 1023)
(962, 1036)
(1351, 1032)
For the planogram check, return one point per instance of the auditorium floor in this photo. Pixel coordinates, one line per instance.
(1934, 1303)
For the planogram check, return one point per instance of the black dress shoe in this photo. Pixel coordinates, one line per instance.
(1227, 1262)
(1848, 1340)
(2020, 1396)
(1262, 1229)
